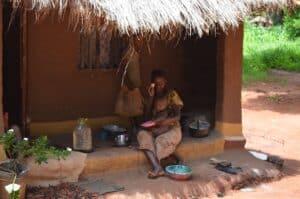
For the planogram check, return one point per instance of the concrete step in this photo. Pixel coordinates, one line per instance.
(112, 159)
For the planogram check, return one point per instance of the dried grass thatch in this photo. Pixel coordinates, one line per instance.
(152, 17)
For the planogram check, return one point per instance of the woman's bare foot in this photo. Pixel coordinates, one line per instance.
(155, 174)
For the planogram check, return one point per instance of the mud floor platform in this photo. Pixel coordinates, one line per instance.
(206, 181)
(109, 159)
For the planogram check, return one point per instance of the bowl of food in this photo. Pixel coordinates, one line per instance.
(179, 172)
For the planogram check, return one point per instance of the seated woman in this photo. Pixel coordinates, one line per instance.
(163, 109)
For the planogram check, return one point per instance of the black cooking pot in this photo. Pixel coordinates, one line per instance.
(199, 129)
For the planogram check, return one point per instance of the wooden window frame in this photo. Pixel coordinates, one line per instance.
(100, 51)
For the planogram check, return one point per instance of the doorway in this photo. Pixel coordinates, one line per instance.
(12, 92)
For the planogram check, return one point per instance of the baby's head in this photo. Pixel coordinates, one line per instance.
(161, 104)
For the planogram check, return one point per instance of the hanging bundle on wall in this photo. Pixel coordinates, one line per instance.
(130, 101)
(131, 74)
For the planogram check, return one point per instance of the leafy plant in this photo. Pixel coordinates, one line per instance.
(17, 149)
(39, 149)
(13, 189)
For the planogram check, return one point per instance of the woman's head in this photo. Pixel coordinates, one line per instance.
(158, 77)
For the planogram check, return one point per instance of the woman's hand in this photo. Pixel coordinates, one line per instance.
(151, 90)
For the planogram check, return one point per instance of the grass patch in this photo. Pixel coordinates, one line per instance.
(274, 98)
(266, 48)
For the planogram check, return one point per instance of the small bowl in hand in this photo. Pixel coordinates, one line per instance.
(148, 124)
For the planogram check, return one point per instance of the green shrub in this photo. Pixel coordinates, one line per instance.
(266, 48)
(292, 23)
(16, 150)
(285, 57)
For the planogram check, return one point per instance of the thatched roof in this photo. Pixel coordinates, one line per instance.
(152, 17)
(296, 2)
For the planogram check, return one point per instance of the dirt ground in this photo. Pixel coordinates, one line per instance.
(271, 123)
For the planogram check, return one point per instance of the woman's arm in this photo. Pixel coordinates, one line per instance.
(149, 103)
(148, 108)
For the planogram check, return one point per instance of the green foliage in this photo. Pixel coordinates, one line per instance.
(17, 149)
(39, 148)
(266, 48)
(14, 195)
(9, 140)
(292, 23)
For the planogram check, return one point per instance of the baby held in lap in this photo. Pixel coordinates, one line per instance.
(161, 112)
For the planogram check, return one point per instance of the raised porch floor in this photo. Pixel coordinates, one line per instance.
(110, 159)
(107, 159)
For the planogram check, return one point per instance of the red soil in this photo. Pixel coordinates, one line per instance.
(271, 123)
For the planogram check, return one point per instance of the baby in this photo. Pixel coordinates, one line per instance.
(161, 112)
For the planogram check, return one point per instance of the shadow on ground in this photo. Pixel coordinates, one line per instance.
(275, 102)
(281, 93)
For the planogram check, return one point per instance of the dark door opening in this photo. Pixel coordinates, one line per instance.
(12, 95)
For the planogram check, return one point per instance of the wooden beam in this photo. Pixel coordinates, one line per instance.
(1, 68)
(2, 153)
(24, 69)
(229, 84)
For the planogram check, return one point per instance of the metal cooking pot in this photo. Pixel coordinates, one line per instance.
(112, 131)
(199, 129)
(114, 128)
(122, 139)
